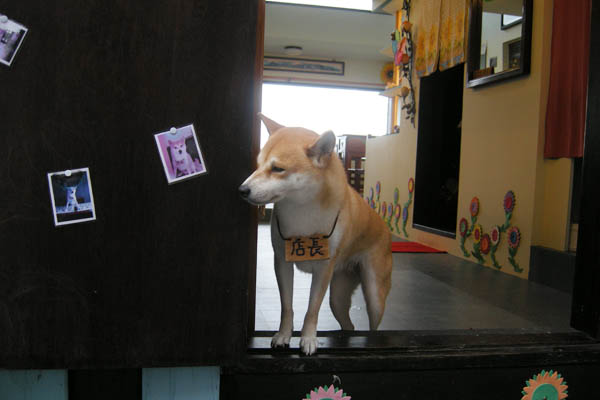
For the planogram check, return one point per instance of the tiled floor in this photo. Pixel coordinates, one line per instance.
(429, 291)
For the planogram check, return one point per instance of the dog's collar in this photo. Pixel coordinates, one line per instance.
(325, 237)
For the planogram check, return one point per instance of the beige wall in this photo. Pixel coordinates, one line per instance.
(553, 205)
(502, 143)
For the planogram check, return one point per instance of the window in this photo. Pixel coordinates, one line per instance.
(344, 111)
(350, 4)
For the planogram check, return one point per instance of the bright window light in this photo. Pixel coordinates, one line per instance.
(344, 111)
(350, 4)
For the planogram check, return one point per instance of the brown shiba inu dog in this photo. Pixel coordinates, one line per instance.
(300, 173)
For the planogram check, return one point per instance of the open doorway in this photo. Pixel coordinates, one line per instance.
(438, 151)
(345, 111)
(429, 291)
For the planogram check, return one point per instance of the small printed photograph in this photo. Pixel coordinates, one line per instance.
(72, 198)
(11, 37)
(180, 153)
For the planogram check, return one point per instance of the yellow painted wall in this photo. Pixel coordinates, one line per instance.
(502, 149)
(552, 220)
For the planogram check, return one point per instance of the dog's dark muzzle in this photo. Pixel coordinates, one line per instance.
(244, 191)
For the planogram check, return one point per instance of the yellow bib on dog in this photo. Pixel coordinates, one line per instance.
(307, 248)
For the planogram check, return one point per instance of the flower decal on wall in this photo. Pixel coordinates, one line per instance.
(509, 202)
(327, 393)
(474, 207)
(463, 227)
(514, 237)
(514, 240)
(411, 189)
(488, 243)
(477, 233)
(485, 243)
(495, 235)
(545, 386)
(390, 213)
(393, 210)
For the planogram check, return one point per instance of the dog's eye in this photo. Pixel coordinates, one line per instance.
(276, 169)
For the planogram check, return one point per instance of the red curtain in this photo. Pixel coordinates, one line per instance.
(567, 98)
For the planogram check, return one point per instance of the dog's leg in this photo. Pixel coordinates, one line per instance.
(321, 276)
(284, 271)
(343, 284)
(375, 274)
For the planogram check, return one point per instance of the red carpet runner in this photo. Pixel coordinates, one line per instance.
(413, 247)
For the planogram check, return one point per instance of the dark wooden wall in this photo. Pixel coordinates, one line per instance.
(161, 277)
(456, 384)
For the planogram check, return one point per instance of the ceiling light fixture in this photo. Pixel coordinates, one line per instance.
(292, 50)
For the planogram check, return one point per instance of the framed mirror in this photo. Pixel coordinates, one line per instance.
(499, 40)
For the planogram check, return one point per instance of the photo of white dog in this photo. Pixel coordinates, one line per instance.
(72, 197)
(72, 202)
(300, 173)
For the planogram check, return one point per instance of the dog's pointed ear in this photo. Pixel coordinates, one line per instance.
(320, 152)
(271, 125)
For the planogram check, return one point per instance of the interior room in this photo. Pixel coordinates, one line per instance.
(467, 164)
(135, 265)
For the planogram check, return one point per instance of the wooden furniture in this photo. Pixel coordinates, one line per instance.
(351, 150)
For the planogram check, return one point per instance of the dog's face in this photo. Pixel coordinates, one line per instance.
(290, 166)
(178, 149)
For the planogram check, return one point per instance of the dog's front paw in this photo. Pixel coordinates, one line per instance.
(309, 344)
(281, 339)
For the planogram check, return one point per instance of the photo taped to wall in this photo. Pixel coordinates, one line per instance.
(71, 195)
(180, 153)
(11, 36)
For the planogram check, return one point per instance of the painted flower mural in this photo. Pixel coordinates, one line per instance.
(393, 211)
(495, 235)
(509, 202)
(545, 385)
(487, 243)
(463, 227)
(514, 237)
(477, 233)
(327, 393)
(474, 207)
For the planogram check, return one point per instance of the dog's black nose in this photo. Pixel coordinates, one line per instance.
(244, 191)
